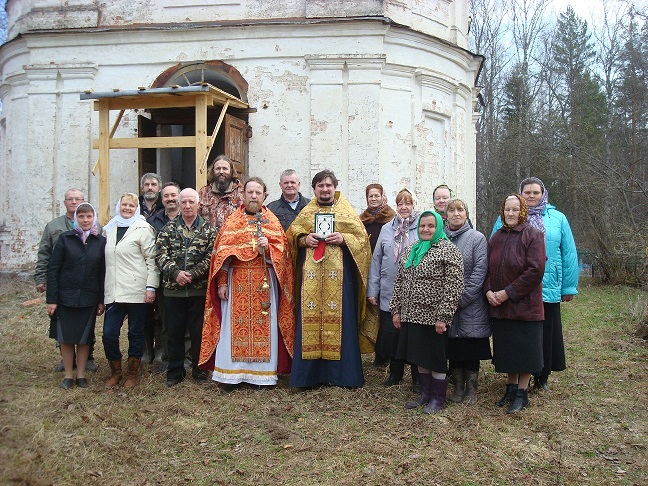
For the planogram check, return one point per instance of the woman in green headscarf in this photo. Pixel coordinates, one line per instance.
(427, 290)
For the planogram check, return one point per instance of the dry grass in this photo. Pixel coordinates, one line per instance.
(590, 429)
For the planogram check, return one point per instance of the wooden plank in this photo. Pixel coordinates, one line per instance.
(149, 142)
(104, 162)
(203, 164)
(146, 102)
(202, 151)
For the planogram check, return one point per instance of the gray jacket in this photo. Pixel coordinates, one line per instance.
(471, 319)
(383, 269)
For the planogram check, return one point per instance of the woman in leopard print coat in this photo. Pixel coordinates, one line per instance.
(427, 290)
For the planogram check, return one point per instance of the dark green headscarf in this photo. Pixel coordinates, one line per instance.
(420, 248)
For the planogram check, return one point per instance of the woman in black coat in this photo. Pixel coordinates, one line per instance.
(75, 288)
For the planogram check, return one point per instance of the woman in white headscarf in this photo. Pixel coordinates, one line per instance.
(131, 280)
(75, 279)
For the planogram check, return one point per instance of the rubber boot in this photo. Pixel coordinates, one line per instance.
(520, 402)
(396, 370)
(470, 397)
(437, 396)
(416, 380)
(509, 395)
(457, 378)
(115, 373)
(132, 372)
(424, 397)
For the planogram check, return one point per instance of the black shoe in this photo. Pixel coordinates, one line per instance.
(91, 366)
(520, 402)
(201, 378)
(172, 382)
(67, 383)
(393, 380)
(82, 383)
(509, 395)
(540, 383)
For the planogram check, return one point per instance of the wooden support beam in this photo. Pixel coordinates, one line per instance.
(214, 134)
(148, 103)
(104, 162)
(202, 150)
(149, 142)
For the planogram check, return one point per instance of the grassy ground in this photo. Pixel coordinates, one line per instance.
(591, 429)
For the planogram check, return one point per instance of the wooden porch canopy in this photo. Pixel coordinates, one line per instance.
(200, 97)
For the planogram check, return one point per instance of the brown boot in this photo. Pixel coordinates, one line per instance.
(132, 372)
(115, 373)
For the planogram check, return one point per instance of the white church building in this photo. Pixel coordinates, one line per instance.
(376, 90)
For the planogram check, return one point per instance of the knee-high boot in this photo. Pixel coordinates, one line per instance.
(437, 396)
(396, 370)
(424, 397)
(457, 378)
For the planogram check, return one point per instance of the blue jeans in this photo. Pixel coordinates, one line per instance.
(113, 320)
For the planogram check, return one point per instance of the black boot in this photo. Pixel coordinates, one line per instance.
(470, 397)
(396, 370)
(540, 383)
(509, 395)
(424, 397)
(458, 382)
(416, 380)
(520, 402)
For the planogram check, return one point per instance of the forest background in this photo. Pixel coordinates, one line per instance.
(565, 99)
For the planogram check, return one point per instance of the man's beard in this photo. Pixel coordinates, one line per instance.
(223, 184)
(150, 196)
(253, 207)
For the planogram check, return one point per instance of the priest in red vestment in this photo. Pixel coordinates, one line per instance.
(249, 330)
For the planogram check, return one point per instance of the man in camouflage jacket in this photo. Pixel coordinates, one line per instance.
(184, 248)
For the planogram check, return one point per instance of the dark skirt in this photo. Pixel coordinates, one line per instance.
(553, 346)
(421, 346)
(387, 340)
(517, 346)
(467, 349)
(74, 325)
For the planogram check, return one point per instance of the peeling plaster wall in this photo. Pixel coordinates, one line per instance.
(372, 101)
(445, 19)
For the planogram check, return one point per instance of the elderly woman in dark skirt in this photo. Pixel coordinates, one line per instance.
(428, 286)
(395, 236)
(513, 287)
(75, 285)
(470, 331)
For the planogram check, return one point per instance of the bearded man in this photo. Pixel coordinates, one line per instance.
(333, 263)
(249, 330)
(150, 199)
(223, 196)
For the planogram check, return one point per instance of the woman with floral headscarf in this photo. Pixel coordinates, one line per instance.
(131, 280)
(75, 280)
(560, 280)
(428, 286)
(513, 287)
(394, 237)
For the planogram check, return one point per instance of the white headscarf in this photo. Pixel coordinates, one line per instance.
(121, 222)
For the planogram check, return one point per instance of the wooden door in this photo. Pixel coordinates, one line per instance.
(235, 141)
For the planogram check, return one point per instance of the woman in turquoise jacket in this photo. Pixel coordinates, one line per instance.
(560, 280)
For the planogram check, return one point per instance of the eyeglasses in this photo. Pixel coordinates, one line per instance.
(74, 199)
